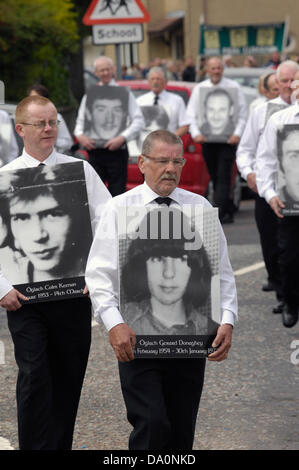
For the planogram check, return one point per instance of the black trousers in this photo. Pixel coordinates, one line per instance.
(219, 159)
(288, 243)
(112, 167)
(52, 342)
(267, 224)
(162, 398)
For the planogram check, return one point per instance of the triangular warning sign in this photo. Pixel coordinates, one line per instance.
(115, 11)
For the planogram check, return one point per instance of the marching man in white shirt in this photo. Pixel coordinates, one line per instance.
(267, 169)
(171, 102)
(51, 338)
(219, 155)
(148, 382)
(111, 161)
(246, 160)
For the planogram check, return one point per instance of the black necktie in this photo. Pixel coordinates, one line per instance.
(164, 200)
(41, 164)
(156, 99)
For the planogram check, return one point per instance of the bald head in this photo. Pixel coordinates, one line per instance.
(215, 69)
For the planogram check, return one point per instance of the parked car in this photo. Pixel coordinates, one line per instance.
(248, 78)
(195, 176)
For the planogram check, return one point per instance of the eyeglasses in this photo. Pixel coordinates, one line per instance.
(42, 124)
(161, 161)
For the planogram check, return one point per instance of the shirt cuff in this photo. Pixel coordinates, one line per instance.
(269, 194)
(228, 317)
(5, 288)
(246, 171)
(111, 317)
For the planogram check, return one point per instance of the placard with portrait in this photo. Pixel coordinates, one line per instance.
(271, 109)
(106, 113)
(169, 278)
(5, 142)
(155, 117)
(288, 168)
(218, 112)
(43, 248)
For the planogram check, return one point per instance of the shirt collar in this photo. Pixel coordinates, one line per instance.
(149, 195)
(296, 107)
(32, 162)
(111, 83)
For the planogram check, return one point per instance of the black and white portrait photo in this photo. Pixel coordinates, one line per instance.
(5, 139)
(218, 113)
(271, 109)
(166, 278)
(288, 168)
(155, 117)
(106, 112)
(45, 229)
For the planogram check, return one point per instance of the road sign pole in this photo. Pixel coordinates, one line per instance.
(118, 61)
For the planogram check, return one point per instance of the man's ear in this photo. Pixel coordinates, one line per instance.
(19, 130)
(141, 163)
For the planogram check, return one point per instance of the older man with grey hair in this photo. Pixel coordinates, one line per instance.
(161, 395)
(267, 166)
(247, 161)
(172, 103)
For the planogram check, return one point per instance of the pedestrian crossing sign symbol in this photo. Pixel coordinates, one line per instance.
(115, 11)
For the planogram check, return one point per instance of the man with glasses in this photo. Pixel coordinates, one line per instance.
(51, 339)
(161, 395)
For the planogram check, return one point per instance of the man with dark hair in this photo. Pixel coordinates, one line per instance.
(219, 111)
(161, 395)
(51, 339)
(164, 283)
(43, 211)
(288, 158)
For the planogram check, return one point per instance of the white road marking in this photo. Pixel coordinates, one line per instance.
(248, 269)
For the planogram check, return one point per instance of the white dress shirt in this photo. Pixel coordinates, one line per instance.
(194, 105)
(64, 139)
(246, 152)
(267, 160)
(102, 265)
(97, 193)
(14, 149)
(135, 117)
(173, 104)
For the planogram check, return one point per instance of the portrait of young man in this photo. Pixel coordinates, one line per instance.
(288, 171)
(42, 211)
(219, 109)
(51, 338)
(105, 113)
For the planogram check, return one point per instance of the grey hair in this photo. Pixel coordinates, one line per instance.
(157, 70)
(287, 63)
(161, 135)
(103, 57)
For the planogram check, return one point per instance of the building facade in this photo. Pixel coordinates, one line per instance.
(174, 30)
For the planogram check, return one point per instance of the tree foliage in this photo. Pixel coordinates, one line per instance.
(37, 38)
